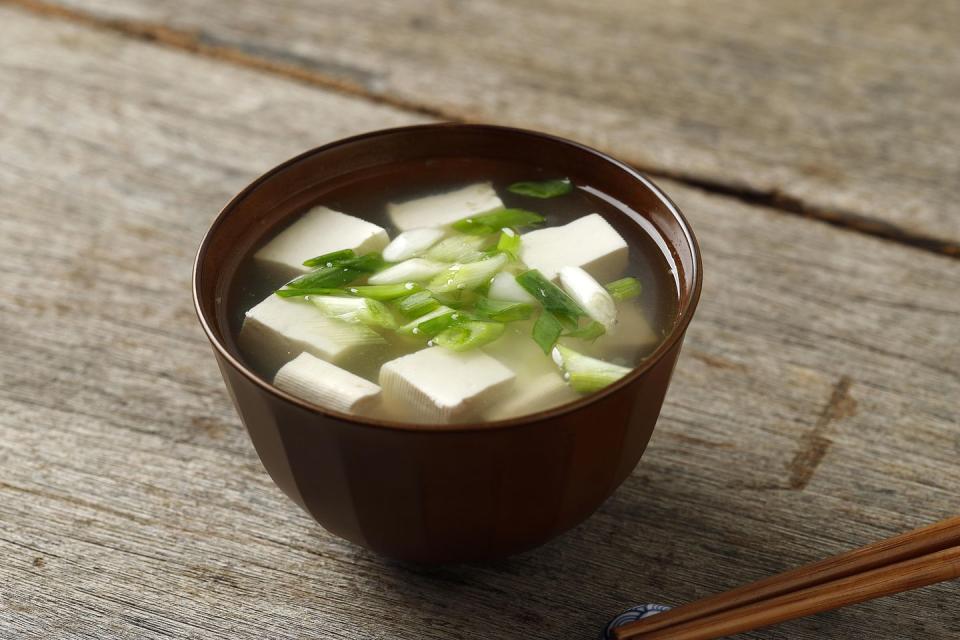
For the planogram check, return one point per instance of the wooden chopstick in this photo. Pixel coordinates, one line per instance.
(887, 580)
(920, 542)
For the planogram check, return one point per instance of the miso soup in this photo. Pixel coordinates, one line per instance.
(451, 291)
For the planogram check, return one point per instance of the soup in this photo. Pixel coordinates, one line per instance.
(453, 291)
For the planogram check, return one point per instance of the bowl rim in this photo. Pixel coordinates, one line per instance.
(675, 335)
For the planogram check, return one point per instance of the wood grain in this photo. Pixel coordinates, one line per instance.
(845, 112)
(133, 506)
(927, 540)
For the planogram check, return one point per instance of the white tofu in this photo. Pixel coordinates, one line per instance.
(436, 385)
(278, 329)
(444, 208)
(319, 231)
(588, 242)
(632, 331)
(327, 385)
(540, 384)
(505, 287)
(412, 270)
(545, 391)
(631, 337)
(517, 350)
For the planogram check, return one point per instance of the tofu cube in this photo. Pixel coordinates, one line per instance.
(588, 242)
(327, 385)
(628, 341)
(540, 384)
(444, 208)
(319, 231)
(534, 394)
(436, 385)
(278, 329)
(517, 351)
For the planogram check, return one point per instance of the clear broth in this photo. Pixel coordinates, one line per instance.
(367, 198)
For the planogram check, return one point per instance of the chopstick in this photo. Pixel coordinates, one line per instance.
(899, 563)
(902, 576)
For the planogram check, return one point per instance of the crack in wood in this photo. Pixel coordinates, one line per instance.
(201, 43)
(785, 203)
(815, 443)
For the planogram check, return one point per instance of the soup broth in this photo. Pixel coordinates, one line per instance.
(505, 295)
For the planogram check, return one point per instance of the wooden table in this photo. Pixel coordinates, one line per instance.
(815, 147)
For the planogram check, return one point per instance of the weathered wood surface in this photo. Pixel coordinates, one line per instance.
(814, 408)
(846, 111)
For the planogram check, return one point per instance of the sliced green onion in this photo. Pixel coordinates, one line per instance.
(430, 324)
(502, 310)
(417, 304)
(355, 310)
(469, 335)
(624, 288)
(546, 331)
(337, 275)
(330, 259)
(586, 374)
(552, 297)
(457, 299)
(412, 270)
(509, 243)
(493, 221)
(318, 291)
(411, 242)
(543, 188)
(325, 278)
(458, 248)
(385, 291)
(589, 331)
(467, 276)
(434, 326)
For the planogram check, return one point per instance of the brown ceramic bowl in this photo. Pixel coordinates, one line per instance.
(458, 492)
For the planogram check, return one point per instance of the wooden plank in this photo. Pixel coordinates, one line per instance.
(845, 112)
(813, 409)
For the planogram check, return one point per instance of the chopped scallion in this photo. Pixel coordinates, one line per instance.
(432, 323)
(509, 243)
(330, 259)
(589, 331)
(586, 374)
(416, 305)
(546, 331)
(345, 272)
(624, 288)
(467, 276)
(318, 291)
(502, 310)
(457, 299)
(552, 297)
(433, 326)
(469, 335)
(493, 221)
(355, 310)
(543, 188)
(458, 248)
(412, 270)
(385, 291)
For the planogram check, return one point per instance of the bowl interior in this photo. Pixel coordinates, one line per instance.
(270, 201)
